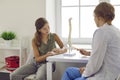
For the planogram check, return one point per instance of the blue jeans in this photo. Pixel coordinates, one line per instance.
(72, 73)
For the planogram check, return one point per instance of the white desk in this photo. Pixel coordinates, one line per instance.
(78, 58)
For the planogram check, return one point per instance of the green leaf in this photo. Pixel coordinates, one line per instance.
(8, 35)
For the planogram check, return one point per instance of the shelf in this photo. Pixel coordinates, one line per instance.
(11, 48)
(15, 45)
(15, 48)
(3, 69)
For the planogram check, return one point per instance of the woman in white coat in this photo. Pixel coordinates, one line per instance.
(104, 63)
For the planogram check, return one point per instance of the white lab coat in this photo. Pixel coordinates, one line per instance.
(104, 62)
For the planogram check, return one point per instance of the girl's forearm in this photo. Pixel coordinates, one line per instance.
(42, 58)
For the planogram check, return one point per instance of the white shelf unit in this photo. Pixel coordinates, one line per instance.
(17, 48)
(4, 70)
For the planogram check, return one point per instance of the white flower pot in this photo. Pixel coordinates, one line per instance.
(8, 43)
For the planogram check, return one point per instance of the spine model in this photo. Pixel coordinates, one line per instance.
(69, 36)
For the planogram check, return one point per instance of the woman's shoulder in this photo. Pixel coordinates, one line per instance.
(53, 34)
(99, 32)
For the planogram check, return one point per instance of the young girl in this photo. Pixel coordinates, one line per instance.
(43, 45)
(104, 63)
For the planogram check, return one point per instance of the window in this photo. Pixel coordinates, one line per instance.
(116, 4)
(83, 25)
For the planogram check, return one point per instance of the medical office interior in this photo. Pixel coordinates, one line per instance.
(18, 16)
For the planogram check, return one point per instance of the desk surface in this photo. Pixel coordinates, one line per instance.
(77, 58)
(63, 58)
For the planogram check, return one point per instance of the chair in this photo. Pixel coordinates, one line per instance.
(29, 60)
(118, 78)
(30, 77)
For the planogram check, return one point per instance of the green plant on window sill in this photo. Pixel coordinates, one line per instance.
(8, 35)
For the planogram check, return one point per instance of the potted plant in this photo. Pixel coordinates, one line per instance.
(8, 36)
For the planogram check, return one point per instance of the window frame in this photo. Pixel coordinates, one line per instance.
(58, 25)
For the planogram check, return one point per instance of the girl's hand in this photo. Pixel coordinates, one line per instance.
(59, 50)
(51, 53)
(56, 50)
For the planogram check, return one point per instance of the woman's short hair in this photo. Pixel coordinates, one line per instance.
(105, 10)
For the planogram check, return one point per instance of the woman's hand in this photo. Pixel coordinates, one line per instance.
(82, 70)
(84, 52)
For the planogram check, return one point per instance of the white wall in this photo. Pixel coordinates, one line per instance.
(20, 15)
(50, 14)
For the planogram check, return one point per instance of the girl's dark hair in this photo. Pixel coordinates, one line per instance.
(106, 11)
(40, 22)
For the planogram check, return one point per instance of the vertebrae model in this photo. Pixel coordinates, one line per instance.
(69, 36)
